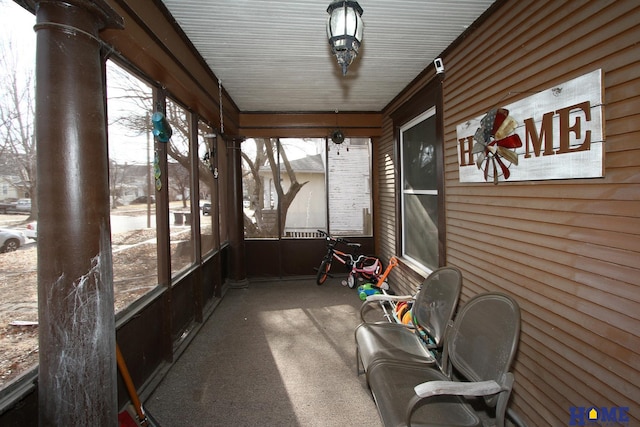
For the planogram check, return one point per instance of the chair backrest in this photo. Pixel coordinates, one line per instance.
(436, 302)
(484, 338)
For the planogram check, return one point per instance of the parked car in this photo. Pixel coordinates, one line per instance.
(6, 207)
(31, 230)
(10, 240)
(23, 205)
(206, 209)
(144, 199)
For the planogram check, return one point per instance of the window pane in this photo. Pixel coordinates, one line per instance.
(179, 178)
(421, 229)
(133, 208)
(18, 270)
(418, 156)
(259, 184)
(350, 188)
(206, 169)
(420, 190)
(302, 180)
(222, 189)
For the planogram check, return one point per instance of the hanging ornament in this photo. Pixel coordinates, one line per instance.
(161, 127)
(337, 136)
(156, 171)
(209, 157)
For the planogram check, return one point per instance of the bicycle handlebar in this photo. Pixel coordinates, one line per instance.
(339, 239)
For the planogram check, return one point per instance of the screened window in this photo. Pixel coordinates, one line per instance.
(349, 184)
(18, 269)
(222, 161)
(302, 187)
(293, 187)
(179, 188)
(261, 182)
(419, 179)
(207, 171)
(133, 207)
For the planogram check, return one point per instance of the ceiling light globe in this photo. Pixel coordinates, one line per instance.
(344, 31)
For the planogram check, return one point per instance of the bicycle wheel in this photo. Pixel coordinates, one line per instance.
(323, 272)
(352, 279)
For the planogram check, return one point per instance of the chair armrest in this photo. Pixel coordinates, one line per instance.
(459, 388)
(371, 299)
(435, 388)
(501, 388)
(385, 297)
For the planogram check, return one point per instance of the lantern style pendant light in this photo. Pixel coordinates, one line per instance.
(344, 30)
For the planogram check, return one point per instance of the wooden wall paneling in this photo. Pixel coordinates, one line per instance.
(309, 125)
(567, 250)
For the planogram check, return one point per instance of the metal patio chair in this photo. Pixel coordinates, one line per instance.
(474, 383)
(433, 308)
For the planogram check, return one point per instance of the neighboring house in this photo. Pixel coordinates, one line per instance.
(307, 212)
(8, 189)
(349, 187)
(129, 181)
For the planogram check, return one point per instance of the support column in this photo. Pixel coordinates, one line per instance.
(237, 270)
(77, 376)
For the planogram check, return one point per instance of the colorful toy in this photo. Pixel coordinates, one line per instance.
(403, 313)
(367, 289)
(407, 319)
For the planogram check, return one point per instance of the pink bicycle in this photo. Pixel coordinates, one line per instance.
(366, 266)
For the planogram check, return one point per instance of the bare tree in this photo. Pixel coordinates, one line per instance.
(17, 113)
(177, 149)
(269, 154)
(180, 181)
(141, 99)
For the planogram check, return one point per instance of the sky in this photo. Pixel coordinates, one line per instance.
(16, 24)
(16, 27)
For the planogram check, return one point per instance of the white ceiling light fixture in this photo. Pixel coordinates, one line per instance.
(344, 30)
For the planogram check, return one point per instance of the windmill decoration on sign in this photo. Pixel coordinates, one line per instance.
(496, 143)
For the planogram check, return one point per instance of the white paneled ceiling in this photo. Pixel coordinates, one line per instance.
(273, 55)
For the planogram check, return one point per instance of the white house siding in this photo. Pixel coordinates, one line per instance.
(307, 212)
(349, 190)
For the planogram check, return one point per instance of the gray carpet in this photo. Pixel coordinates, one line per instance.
(279, 353)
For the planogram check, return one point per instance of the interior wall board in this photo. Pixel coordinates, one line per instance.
(566, 249)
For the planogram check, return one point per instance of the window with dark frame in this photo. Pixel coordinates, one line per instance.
(293, 187)
(420, 190)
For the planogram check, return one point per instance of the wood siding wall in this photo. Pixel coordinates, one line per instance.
(567, 250)
(309, 125)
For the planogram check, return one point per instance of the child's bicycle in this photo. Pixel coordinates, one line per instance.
(366, 266)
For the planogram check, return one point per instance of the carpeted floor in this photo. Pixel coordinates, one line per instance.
(279, 353)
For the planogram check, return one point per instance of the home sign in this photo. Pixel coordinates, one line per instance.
(554, 134)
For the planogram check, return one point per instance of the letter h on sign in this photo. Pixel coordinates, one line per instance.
(466, 151)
